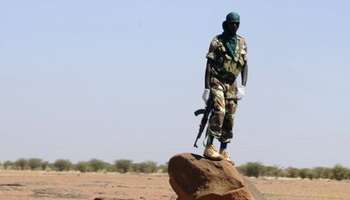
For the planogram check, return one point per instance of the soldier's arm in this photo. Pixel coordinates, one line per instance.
(244, 75)
(210, 59)
(207, 75)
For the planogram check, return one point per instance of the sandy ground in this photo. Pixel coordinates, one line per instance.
(26, 185)
(303, 189)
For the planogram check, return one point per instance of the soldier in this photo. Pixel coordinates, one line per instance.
(226, 60)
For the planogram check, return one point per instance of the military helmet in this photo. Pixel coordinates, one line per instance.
(233, 17)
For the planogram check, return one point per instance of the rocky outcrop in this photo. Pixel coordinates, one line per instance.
(193, 177)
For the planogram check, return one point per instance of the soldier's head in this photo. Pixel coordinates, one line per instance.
(231, 24)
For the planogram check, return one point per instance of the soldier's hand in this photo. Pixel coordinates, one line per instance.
(205, 95)
(240, 92)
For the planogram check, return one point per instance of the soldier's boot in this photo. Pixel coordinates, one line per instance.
(211, 153)
(226, 156)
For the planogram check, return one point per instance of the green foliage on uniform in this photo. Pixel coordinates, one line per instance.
(62, 165)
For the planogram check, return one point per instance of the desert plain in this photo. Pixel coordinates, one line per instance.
(43, 185)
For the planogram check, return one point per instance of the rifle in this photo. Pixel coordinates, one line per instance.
(206, 111)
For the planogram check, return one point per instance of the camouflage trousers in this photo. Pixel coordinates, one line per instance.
(222, 117)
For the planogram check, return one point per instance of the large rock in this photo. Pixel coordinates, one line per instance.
(193, 177)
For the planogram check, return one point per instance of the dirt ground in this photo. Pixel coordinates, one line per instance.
(303, 189)
(27, 185)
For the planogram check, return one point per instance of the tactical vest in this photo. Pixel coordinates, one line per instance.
(225, 67)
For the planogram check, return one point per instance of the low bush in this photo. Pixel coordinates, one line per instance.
(123, 165)
(97, 165)
(34, 163)
(62, 165)
(82, 166)
(21, 164)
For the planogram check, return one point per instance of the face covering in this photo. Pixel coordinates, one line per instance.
(229, 36)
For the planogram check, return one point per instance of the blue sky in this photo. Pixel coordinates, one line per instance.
(121, 79)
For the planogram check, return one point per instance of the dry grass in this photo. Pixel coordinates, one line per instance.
(303, 189)
(27, 185)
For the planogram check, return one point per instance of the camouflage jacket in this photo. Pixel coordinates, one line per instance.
(225, 67)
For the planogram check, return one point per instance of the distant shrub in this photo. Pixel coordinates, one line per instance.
(44, 165)
(97, 165)
(348, 174)
(135, 167)
(123, 165)
(145, 167)
(255, 169)
(7, 164)
(51, 166)
(252, 169)
(322, 172)
(310, 174)
(272, 171)
(62, 165)
(292, 172)
(21, 164)
(34, 163)
(163, 168)
(111, 168)
(82, 166)
(339, 172)
(148, 167)
(302, 173)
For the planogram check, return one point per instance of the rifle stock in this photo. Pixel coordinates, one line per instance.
(204, 120)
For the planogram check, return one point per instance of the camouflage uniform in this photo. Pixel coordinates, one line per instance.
(224, 70)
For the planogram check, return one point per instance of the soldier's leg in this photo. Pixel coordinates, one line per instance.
(215, 122)
(228, 122)
(227, 128)
(217, 117)
(223, 146)
(210, 140)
